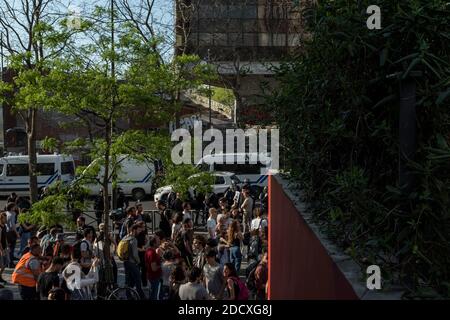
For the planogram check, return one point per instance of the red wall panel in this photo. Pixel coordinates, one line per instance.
(299, 266)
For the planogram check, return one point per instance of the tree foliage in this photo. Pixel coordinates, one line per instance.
(338, 112)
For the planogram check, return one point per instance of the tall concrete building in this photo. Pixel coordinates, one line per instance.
(243, 38)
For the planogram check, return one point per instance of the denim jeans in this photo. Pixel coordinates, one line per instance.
(155, 288)
(236, 257)
(133, 277)
(25, 236)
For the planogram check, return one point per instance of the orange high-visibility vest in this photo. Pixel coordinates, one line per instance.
(22, 273)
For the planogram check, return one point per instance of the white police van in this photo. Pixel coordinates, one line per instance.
(135, 178)
(253, 173)
(50, 168)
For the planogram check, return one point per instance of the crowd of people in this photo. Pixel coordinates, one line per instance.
(174, 263)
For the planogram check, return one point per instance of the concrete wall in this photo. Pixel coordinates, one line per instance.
(300, 266)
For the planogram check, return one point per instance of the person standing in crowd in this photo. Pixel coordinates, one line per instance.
(142, 243)
(86, 250)
(187, 211)
(167, 267)
(246, 208)
(177, 225)
(177, 204)
(99, 253)
(4, 255)
(235, 289)
(130, 257)
(261, 277)
(153, 265)
(211, 223)
(49, 279)
(81, 224)
(259, 222)
(129, 222)
(193, 290)
(165, 221)
(27, 272)
(99, 206)
(32, 241)
(122, 201)
(234, 239)
(199, 245)
(11, 231)
(82, 289)
(213, 276)
(12, 198)
(184, 242)
(177, 278)
(26, 230)
(139, 211)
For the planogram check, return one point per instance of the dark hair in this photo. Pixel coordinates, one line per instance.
(34, 247)
(130, 209)
(10, 206)
(187, 220)
(178, 274)
(161, 203)
(57, 260)
(178, 218)
(211, 253)
(33, 238)
(134, 227)
(194, 274)
(82, 219)
(232, 269)
(161, 234)
(53, 231)
(200, 238)
(66, 248)
(76, 253)
(57, 294)
(87, 232)
(211, 243)
(153, 240)
(168, 255)
(186, 205)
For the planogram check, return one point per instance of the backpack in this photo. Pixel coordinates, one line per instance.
(243, 293)
(123, 250)
(77, 246)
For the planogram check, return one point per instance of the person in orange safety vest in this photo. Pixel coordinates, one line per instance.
(26, 273)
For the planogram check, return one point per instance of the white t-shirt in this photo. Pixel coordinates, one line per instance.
(187, 215)
(211, 225)
(258, 224)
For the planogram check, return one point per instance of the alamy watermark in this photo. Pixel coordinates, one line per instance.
(374, 277)
(190, 149)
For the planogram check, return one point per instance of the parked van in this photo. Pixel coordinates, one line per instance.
(253, 173)
(50, 168)
(135, 178)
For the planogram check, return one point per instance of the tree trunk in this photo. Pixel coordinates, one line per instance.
(31, 137)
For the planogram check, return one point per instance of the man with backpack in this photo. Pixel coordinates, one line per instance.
(127, 251)
(193, 290)
(129, 221)
(84, 246)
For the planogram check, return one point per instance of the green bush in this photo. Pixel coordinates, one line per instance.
(338, 112)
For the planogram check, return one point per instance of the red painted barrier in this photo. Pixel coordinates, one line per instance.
(299, 266)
